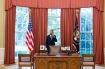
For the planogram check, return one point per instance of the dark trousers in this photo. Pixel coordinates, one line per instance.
(77, 47)
(48, 51)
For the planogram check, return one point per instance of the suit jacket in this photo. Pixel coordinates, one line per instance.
(49, 41)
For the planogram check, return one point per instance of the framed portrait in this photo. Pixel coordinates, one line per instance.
(67, 47)
(63, 48)
(42, 47)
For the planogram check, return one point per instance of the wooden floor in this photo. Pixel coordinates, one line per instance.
(16, 67)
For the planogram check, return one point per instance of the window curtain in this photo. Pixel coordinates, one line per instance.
(98, 36)
(8, 4)
(83, 3)
(68, 18)
(9, 57)
(25, 3)
(100, 5)
(39, 21)
(53, 4)
(57, 3)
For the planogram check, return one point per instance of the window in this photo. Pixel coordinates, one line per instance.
(86, 30)
(22, 16)
(54, 23)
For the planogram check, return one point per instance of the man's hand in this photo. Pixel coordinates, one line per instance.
(53, 35)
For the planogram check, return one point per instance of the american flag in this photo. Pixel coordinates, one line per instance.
(29, 36)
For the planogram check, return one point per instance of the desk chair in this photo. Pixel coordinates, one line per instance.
(88, 60)
(25, 60)
(55, 49)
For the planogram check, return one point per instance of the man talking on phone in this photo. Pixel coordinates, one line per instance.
(50, 40)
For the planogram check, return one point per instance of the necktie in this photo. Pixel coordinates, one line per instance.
(51, 37)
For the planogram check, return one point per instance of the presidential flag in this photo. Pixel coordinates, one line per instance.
(76, 36)
(29, 36)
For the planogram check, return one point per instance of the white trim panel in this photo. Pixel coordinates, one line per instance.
(104, 55)
(1, 56)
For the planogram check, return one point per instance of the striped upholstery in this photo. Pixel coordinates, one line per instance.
(25, 60)
(88, 60)
(2, 67)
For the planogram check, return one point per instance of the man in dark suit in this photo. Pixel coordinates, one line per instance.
(50, 40)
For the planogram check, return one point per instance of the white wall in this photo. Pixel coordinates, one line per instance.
(2, 23)
(2, 30)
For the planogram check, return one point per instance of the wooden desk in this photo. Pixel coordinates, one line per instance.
(57, 61)
(44, 51)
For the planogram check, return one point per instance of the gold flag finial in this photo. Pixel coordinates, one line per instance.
(29, 11)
